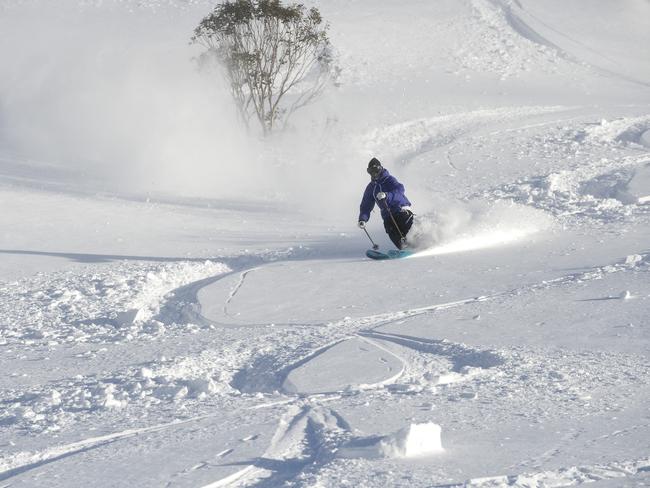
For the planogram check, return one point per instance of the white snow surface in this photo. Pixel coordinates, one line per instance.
(186, 304)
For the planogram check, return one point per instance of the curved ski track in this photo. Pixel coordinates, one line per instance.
(316, 431)
(306, 414)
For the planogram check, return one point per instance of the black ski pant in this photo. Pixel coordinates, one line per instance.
(404, 220)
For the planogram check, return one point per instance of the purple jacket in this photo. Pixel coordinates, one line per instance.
(395, 198)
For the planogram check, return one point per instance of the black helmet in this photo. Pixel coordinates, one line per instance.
(374, 168)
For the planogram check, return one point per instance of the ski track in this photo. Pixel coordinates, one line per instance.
(309, 433)
(27, 461)
(516, 15)
(22, 462)
(408, 140)
(236, 288)
(160, 304)
(464, 360)
(460, 358)
(510, 35)
(368, 338)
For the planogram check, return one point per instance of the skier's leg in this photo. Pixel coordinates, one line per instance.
(404, 221)
(396, 238)
(393, 233)
(397, 234)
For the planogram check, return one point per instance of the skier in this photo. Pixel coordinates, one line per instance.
(388, 194)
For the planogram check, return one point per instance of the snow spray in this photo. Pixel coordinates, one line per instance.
(475, 225)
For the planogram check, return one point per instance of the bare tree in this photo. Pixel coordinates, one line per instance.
(277, 58)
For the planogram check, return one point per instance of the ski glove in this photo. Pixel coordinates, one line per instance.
(361, 224)
(381, 195)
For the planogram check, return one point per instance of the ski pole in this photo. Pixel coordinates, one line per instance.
(374, 246)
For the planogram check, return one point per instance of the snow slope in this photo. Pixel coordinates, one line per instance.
(184, 305)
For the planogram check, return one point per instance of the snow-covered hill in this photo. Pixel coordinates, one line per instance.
(184, 305)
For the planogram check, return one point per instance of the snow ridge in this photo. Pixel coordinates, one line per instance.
(102, 304)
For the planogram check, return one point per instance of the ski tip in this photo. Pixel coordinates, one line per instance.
(391, 254)
(375, 254)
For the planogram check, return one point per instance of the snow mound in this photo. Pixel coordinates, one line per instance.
(623, 130)
(475, 225)
(179, 381)
(639, 186)
(413, 441)
(605, 190)
(644, 139)
(104, 303)
(416, 440)
(612, 190)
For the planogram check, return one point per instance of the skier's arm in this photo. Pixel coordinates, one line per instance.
(367, 204)
(393, 189)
